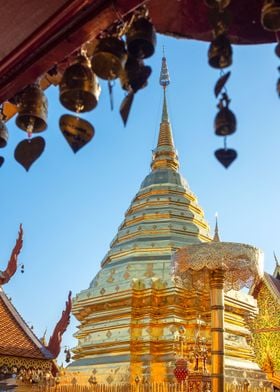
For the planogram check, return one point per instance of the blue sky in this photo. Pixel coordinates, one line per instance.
(71, 205)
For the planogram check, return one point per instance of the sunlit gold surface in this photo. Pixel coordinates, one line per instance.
(129, 314)
(242, 264)
(266, 328)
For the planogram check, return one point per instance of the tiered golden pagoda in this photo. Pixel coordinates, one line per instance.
(131, 312)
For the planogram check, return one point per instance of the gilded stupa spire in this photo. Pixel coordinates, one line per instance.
(165, 156)
(216, 237)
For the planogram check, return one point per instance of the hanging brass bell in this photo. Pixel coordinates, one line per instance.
(79, 89)
(220, 52)
(270, 15)
(135, 74)
(32, 110)
(108, 58)
(141, 39)
(4, 135)
(225, 120)
(221, 4)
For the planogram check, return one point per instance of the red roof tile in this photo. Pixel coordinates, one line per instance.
(16, 338)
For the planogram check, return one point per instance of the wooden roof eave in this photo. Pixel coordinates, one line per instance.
(64, 33)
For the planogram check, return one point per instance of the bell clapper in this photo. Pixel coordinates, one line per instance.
(110, 87)
(30, 128)
(79, 106)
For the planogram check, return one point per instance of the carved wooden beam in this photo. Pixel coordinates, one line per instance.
(66, 31)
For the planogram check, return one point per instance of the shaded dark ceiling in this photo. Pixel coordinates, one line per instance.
(35, 38)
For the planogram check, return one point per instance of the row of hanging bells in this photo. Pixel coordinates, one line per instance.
(112, 58)
(220, 57)
(270, 12)
(270, 15)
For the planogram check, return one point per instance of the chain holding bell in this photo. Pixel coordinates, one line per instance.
(79, 88)
(141, 39)
(4, 135)
(220, 52)
(109, 58)
(270, 15)
(32, 110)
(225, 120)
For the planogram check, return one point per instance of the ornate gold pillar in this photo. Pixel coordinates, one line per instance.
(217, 329)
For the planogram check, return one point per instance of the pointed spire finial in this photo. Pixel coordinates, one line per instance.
(43, 338)
(165, 155)
(216, 237)
(276, 259)
(276, 273)
(164, 79)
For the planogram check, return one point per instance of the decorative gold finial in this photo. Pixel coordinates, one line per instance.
(276, 273)
(43, 338)
(165, 155)
(276, 259)
(216, 237)
(164, 79)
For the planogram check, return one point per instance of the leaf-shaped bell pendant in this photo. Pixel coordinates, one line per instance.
(108, 58)
(220, 52)
(77, 131)
(32, 110)
(29, 150)
(4, 135)
(225, 120)
(226, 156)
(141, 39)
(79, 88)
(270, 15)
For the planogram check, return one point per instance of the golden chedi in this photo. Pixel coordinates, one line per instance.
(131, 312)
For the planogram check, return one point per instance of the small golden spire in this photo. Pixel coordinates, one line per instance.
(43, 338)
(276, 273)
(276, 259)
(165, 155)
(216, 237)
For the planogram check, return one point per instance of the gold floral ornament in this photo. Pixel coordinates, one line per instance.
(217, 267)
(241, 264)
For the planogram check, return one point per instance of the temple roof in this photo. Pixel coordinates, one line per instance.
(273, 284)
(16, 338)
(34, 39)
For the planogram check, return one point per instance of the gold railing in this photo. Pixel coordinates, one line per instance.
(123, 387)
(190, 386)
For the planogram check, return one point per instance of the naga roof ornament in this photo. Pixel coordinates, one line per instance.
(6, 275)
